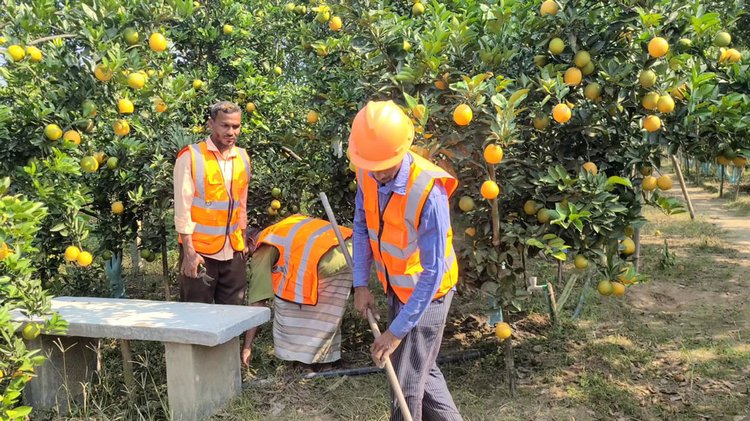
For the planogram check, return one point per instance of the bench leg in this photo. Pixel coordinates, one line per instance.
(71, 364)
(201, 379)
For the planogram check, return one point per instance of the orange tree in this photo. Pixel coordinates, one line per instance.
(536, 106)
(106, 94)
(21, 292)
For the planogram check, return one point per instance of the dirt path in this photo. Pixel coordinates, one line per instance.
(707, 205)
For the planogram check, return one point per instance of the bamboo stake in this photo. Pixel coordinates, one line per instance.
(677, 168)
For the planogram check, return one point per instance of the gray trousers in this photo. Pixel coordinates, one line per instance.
(414, 362)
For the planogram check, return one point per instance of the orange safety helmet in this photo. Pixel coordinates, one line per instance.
(381, 135)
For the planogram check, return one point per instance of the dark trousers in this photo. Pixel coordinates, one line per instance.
(414, 362)
(227, 287)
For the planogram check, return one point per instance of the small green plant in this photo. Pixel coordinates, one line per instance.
(667, 259)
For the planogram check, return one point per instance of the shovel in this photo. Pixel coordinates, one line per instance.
(390, 372)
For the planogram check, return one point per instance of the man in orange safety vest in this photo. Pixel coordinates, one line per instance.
(210, 200)
(402, 225)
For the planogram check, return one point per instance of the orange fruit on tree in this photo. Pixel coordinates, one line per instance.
(31, 331)
(312, 117)
(650, 101)
(89, 164)
(503, 331)
(125, 106)
(136, 80)
(561, 113)
(157, 42)
(582, 59)
(541, 122)
(665, 104)
(17, 53)
(466, 204)
(100, 157)
(441, 84)
(658, 47)
(573, 76)
(250, 107)
(649, 183)
(160, 106)
(651, 123)
(618, 289)
(722, 39)
(118, 208)
(588, 69)
(605, 288)
(647, 78)
(71, 253)
(490, 190)
(592, 91)
(335, 24)
(546, 215)
(580, 261)
(275, 204)
(72, 136)
(197, 84)
(556, 46)
(84, 259)
(121, 127)
(531, 207)
(35, 54)
(53, 132)
(5, 251)
(102, 72)
(227, 29)
(733, 56)
(664, 182)
(549, 7)
(462, 115)
(590, 167)
(131, 36)
(493, 153)
(628, 246)
(417, 9)
(540, 60)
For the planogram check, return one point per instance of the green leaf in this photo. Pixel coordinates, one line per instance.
(89, 12)
(19, 412)
(618, 180)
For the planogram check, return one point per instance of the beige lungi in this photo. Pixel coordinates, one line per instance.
(312, 334)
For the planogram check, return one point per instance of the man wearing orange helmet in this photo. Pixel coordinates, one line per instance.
(402, 224)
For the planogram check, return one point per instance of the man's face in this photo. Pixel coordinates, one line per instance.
(225, 129)
(385, 176)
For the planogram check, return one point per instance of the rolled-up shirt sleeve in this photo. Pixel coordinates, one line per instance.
(361, 251)
(183, 195)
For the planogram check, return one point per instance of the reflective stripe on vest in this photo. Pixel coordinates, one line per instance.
(214, 210)
(302, 242)
(396, 248)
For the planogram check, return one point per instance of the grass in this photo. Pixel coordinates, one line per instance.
(673, 348)
(740, 207)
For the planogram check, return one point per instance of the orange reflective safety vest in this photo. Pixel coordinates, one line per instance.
(393, 235)
(302, 241)
(215, 211)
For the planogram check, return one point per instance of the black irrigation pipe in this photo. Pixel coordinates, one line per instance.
(462, 356)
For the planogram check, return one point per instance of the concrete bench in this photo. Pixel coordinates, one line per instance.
(201, 348)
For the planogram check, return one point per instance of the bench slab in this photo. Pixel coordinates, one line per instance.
(163, 321)
(201, 348)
